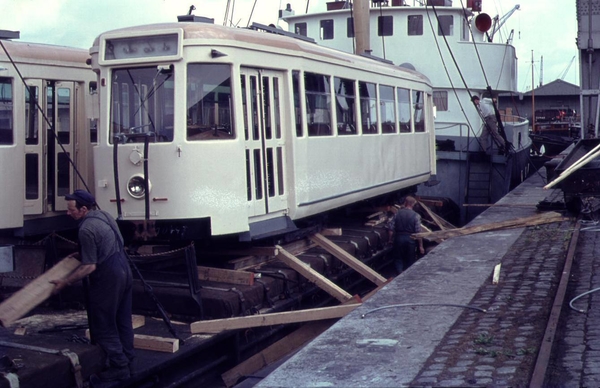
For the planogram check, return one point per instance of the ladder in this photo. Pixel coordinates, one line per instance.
(479, 171)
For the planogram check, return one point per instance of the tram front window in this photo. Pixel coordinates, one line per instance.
(209, 111)
(142, 104)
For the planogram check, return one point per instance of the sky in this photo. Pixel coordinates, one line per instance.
(544, 31)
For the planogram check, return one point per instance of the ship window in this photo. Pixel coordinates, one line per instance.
(404, 113)
(297, 106)
(368, 107)
(445, 25)
(385, 26)
(345, 106)
(418, 101)
(327, 29)
(318, 104)
(350, 27)
(415, 24)
(300, 29)
(6, 111)
(465, 31)
(209, 113)
(440, 100)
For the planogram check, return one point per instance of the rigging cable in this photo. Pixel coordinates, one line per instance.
(453, 87)
(251, 12)
(50, 126)
(497, 83)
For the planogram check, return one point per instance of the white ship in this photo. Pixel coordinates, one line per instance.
(454, 47)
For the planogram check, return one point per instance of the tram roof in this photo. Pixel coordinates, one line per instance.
(43, 53)
(263, 40)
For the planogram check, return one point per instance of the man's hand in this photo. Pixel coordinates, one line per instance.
(59, 285)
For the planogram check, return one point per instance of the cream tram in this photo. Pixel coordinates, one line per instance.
(208, 130)
(48, 116)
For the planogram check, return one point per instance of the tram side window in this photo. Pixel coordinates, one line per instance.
(327, 29)
(385, 26)
(445, 25)
(368, 107)
(63, 97)
(31, 115)
(297, 106)
(415, 25)
(418, 100)
(6, 111)
(404, 111)
(440, 100)
(388, 111)
(345, 106)
(142, 104)
(318, 104)
(209, 112)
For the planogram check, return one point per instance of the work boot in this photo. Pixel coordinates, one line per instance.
(115, 373)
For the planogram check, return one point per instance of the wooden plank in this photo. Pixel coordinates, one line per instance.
(277, 351)
(34, 293)
(138, 320)
(150, 342)
(348, 259)
(157, 344)
(543, 218)
(439, 221)
(332, 232)
(218, 325)
(226, 276)
(313, 276)
(242, 263)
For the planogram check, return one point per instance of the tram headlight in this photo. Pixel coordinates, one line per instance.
(136, 186)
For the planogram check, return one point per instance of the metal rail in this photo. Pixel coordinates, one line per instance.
(539, 371)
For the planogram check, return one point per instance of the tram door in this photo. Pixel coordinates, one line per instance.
(48, 172)
(265, 166)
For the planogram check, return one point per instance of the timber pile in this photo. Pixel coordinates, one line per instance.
(544, 218)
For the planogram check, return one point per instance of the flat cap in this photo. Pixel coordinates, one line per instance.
(83, 197)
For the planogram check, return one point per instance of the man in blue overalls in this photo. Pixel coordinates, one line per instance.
(104, 261)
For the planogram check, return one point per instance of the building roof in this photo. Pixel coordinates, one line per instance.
(556, 88)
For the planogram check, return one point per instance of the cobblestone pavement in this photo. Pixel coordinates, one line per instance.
(499, 347)
(576, 357)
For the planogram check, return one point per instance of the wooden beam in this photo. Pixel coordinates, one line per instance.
(277, 351)
(543, 218)
(137, 321)
(157, 344)
(226, 276)
(312, 275)
(150, 342)
(348, 259)
(439, 221)
(34, 293)
(218, 325)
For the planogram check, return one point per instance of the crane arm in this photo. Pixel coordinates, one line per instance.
(499, 22)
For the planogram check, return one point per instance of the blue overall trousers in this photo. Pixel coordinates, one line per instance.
(109, 310)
